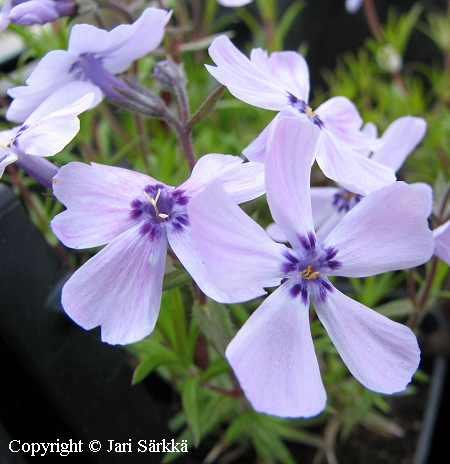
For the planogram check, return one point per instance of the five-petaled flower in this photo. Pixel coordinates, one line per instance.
(137, 217)
(93, 56)
(281, 82)
(273, 354)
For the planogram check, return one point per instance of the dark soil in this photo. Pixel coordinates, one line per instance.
(368, 447)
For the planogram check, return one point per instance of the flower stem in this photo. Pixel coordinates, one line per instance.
(372, 19)
(415, 319)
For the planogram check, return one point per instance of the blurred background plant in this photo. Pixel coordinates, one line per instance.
(385, 81)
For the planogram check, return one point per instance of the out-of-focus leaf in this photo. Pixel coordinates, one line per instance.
(175, 279)
(190, 401)
(215, 323)
(396, 308)
(160, 356)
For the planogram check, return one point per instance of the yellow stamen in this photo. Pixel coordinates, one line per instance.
(348, 195)
(309, 112)
(6, 147)
(308, 274)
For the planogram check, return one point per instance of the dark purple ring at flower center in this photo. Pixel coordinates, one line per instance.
(303, 108)
(161, 205)
(344, 200)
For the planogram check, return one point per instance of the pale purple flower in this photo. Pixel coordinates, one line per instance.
(331, 204)
(94, 56)
(137, 217)
(273, 354)
(281, 82)
(46, 131)
(28, 12)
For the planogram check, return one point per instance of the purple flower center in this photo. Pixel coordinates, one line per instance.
(90, 67)
(309, 266)
(303, 108)
(158, 206)
(344, 200)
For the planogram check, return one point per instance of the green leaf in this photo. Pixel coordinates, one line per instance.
(215, 323)
(239, 428)
(219, 409)
(207, 106)
(175, 279)
(215, 368)
(399, 27)
(287, 20)
(160, 356)
(268, 444)
(396, 309)
(189, 399)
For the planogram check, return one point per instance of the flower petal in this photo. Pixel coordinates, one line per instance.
(425, 193)
(274, 360)
(256, 150)
(98, 205)
(4, 13)
(355, 172)
(399, 140)
(386, 231)
(290, 152)
(275, 233)
(343, 120)
(288, 68)
(380, 353)
(322, 204)
(237, 252)
(119, 288)
(51, 73)
(34, 12)
(138, 178)
(442, 241)
(147, 34)
(184, 248)
(243, 78)
(242, 181)
(333, 220)
(7, 156)
(54, 123)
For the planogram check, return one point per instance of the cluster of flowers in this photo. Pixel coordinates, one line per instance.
(370, 223)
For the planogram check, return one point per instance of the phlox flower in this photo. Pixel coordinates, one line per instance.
(137, 217)
(46, 131)
(273, 355)
(94, 56)
(28, 12)
(281, 82)
(331, 204)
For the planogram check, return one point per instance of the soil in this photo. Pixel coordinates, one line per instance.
(368, 447)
